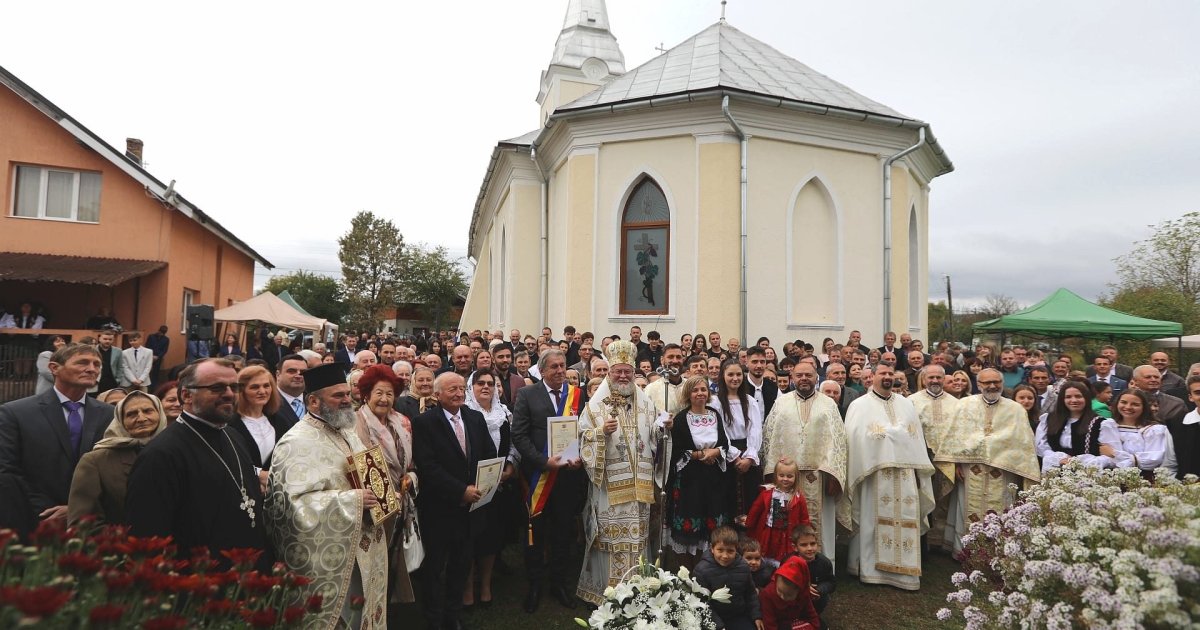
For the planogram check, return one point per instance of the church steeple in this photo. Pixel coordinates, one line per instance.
(585, 56)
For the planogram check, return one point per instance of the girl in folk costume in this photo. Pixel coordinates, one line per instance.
(1135, 438)
(777, 511)
(698, 484)
(743, 420)
(1071, 431)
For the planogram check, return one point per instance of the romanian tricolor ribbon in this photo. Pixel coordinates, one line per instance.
(541, 482)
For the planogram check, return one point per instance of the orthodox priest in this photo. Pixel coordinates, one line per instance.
(890, 487)
(805, 426)
(936, 410)
(317, 520)
(618, 440)
(987, 446)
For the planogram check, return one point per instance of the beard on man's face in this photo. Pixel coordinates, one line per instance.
(623, 389)
(338, 418)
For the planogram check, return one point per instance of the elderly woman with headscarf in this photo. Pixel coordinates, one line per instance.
(98, 487)
(378, 424)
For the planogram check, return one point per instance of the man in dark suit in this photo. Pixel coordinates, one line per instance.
(889, 345)
(1171, 410)
(1102, 372)
(1122, 371)
(42, 437)
(765, 390)
(554, 527)
(449, 442)
(290, 381)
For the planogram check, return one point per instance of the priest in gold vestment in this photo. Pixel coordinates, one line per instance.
(890, 488)
(936, 409)
(618, 440)
(317, 520)
(806, 427)
(987, 446)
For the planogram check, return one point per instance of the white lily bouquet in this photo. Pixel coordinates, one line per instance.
(654, 599)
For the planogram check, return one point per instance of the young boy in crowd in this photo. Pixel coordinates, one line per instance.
(722, 567)
(820, 569)
(761, 568)
(786, 602)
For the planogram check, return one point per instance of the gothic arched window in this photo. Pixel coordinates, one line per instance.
(645, 251)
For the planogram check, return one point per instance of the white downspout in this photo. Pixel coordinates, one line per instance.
(745, 148)
(543, 295)
(887, 228)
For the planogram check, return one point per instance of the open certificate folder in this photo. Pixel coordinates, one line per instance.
(562, 435)
(487, 480)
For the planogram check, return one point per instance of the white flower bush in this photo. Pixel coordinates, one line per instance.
(1085, 548)
(654, 599)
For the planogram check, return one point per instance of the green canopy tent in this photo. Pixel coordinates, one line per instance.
(286, 296)
(1065, 314)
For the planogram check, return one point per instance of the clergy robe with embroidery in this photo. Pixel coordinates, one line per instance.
(994, 444)
(936, 413)
(810, 432)
(318, 525)
(620, 466)
(890, 490)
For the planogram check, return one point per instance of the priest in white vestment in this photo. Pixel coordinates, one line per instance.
(890, 488)
(805, 426)
(618, 440)
(986, 447)
(318, 522)
(936, 409)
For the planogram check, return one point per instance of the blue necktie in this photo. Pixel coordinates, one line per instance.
(298, 407)
(74, 423)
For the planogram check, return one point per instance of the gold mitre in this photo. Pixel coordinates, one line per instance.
(621, 352)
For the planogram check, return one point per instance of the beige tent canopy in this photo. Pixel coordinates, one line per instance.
(267, 307)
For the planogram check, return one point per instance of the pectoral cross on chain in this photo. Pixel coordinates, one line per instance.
(248, 506)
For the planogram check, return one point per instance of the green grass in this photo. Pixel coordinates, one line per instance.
(854, 605)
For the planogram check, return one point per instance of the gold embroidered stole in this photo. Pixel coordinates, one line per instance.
(897, 518)
(630, 475)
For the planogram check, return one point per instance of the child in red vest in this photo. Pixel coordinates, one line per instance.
(778, 510)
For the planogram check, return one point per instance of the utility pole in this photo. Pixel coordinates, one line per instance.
(950, 306)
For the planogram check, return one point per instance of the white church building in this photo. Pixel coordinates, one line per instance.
(722, 185)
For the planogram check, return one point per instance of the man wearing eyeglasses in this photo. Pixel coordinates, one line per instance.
(195, 482)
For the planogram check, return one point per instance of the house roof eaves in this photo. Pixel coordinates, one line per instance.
(162, 192)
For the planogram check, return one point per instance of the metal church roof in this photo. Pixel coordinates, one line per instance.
(721, 56)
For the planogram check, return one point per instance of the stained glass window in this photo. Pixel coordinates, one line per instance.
(645, 251)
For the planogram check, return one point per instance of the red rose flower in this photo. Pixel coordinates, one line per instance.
(242, 558)
(149, 545)
(291, 579)
(260, 618)
(79, 563)
(39, 602)
(118, 582)
(314, 603)
(293, 614)
(106, 613)
(256, 583)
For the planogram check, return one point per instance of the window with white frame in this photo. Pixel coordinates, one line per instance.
(53, 193)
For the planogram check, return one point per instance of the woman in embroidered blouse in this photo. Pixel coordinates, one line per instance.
(699, 488)
(501, 512)
(378, 424)
(742, 419)
(1071, 431)
(1135, 438)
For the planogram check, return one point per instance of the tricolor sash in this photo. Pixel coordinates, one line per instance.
(541, 482)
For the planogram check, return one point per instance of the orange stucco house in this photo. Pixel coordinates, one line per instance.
(85, 226)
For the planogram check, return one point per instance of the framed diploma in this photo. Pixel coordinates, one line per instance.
(368, 469)
(487, 479)
(561, 433)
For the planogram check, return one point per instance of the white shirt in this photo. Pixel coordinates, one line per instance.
(263, 433)
(554, 398)
(758, 393)
(736, 429)
(1053, 459)
(63, 400)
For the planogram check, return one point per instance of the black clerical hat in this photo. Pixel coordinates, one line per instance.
(322, 376)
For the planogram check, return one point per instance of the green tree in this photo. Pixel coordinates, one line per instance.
(1168, 259)
(317, 294)
(432, 281)
(371, 254)
(1173, 305)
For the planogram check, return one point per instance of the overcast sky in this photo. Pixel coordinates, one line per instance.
(1072, 125)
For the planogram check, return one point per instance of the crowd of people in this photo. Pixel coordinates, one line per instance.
(746, 465)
